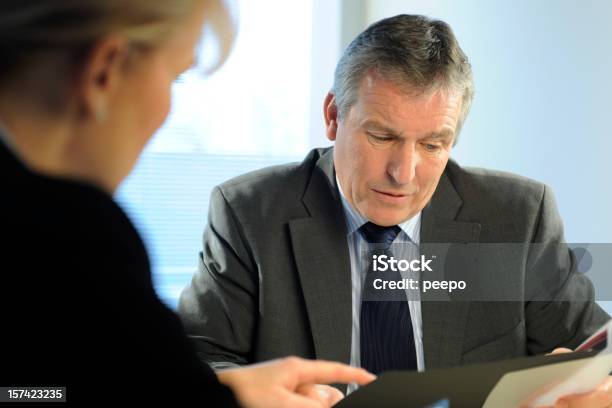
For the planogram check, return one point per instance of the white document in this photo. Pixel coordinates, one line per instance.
(542, 386)
(548, 383)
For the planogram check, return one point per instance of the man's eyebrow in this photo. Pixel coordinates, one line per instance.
(444, 134)
(373, 124)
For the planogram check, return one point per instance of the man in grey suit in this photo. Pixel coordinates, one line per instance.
(281, 271)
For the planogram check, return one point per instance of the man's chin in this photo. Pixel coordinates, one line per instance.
(388, 218)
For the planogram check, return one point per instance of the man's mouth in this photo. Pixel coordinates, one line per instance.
(392, 197)
(390, 193)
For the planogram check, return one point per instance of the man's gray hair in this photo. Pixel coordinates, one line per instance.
(410, 50)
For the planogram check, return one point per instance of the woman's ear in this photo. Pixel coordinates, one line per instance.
(101, 73)
(330, 112)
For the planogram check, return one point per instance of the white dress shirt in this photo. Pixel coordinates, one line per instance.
(357, 245)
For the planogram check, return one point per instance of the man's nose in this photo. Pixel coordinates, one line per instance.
(402, 167)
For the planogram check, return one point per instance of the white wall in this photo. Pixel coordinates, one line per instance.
(542, 107)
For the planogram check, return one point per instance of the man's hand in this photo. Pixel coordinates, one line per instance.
(291, 382)
(601, 397)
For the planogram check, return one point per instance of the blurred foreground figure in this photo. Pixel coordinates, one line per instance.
(83, 86)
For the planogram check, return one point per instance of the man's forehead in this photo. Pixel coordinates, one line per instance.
(384, 102)
(373, 86)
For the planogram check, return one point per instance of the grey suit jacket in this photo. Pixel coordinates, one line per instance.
(274, 273)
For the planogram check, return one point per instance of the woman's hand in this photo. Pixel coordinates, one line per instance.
(291, 382)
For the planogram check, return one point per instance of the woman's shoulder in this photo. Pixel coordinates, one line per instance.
(70, 223)
(50, 202)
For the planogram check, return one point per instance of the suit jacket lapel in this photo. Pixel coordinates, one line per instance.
(323, 263)
(444, 322)
(322, 258)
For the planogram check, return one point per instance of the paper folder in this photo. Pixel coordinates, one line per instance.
(467, 386)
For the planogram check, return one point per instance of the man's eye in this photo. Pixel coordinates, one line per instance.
(431, 147)
(379, 139)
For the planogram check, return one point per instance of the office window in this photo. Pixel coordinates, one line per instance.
(254, 112)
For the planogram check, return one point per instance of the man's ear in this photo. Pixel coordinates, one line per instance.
(100, 75)
(330, 112)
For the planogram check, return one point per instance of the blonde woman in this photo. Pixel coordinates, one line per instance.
(83, 86)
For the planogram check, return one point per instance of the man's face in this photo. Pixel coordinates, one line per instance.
(391, 148)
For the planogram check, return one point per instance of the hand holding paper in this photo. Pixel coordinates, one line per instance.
(590, 387)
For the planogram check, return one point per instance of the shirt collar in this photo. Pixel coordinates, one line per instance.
(411, 227)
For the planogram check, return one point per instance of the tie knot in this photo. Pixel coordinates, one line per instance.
(375, 234)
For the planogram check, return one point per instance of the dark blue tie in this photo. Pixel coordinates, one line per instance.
(386, 336)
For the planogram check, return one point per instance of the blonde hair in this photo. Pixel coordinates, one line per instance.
(31, 27)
